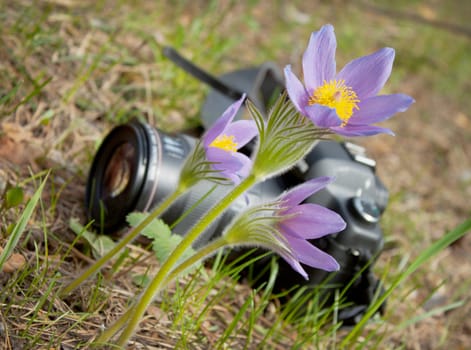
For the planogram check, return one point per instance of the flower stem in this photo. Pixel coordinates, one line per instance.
(164, 270)
(121, 244)
(110, 331)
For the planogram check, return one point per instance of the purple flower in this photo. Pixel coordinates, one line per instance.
(346, 102)
(222, 141)
(301, 222)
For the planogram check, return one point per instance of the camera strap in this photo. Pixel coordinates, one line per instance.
(260, 83)
(200, 74)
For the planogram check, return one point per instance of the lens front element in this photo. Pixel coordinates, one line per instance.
(118, 170)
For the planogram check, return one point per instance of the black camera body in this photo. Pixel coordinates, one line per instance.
(137, 166)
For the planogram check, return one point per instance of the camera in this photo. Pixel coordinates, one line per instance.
(138, 165)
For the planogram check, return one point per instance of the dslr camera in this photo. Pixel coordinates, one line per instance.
(138, 165)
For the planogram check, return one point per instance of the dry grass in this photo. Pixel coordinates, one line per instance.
(99, 63)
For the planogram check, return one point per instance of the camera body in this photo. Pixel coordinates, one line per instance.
(138, 165)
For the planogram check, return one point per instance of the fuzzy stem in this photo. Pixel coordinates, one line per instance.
(121, 244)
(164, 270)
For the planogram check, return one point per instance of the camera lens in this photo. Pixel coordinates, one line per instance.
(124, 165)
(118, 171)
(135, 167)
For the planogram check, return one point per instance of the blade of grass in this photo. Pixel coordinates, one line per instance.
(11, 94)
(36, 91)
(248, 304)
(431, 313)
(21, 224)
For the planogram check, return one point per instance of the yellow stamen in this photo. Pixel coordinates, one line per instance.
(225, 143)
(335, 94)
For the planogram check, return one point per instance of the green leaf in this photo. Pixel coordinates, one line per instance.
(101, 244)
(14, 197)
(163, 241)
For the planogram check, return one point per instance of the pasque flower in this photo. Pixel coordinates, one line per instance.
(222, 141)
(346, 102)
(286, 225)
(301, 222)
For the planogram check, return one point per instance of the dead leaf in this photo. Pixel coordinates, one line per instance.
(461, 120)
(15, 262)
(16, 145)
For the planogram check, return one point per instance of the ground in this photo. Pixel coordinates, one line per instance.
(70, 71)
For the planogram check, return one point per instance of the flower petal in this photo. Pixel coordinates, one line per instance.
(319, 58)
(222, 122)
(368, 74)
(294, 263)
(311, 221)
(245, 164)
(243, 131)
(322, 116)
(296, 91)
(360, 130)
(378, 108)
(223, 160)
(310, 255)
(283, 250)
(301, 192)
(231, 176)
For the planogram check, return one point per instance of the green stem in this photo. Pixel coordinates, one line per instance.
(110, 331)
(121, 244)
(190, 237)
(199, 255)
